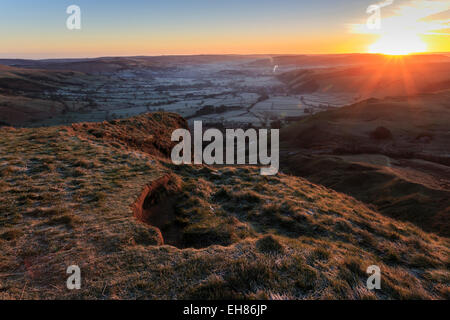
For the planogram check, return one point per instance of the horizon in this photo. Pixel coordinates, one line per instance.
(223, 54)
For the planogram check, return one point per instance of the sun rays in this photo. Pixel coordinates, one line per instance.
(403, 30)
(398, 44)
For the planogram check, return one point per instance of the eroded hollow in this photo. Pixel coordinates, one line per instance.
(156, 207)
(176, 215)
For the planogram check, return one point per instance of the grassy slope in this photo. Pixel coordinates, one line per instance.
(389, 78)
(413, 183)
(25, 80)
(384, 187)
(21, 99)
(65, 198)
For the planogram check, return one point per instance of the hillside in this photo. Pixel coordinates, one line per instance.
(102, 197)
(391, 77)
(393, 153)
(29, 95)
(14, 80)
(114, 64)
(329, 60)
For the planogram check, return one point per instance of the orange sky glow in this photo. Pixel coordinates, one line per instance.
(413, 26)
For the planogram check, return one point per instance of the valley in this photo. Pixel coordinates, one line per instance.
(244, 90)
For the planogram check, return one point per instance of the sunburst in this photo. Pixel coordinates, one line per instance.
(398, 44)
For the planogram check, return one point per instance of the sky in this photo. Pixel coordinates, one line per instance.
(37, 28)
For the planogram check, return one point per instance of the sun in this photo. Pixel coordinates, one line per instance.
(398, 44)
(408, 28)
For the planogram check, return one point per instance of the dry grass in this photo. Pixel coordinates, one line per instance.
(67, 200)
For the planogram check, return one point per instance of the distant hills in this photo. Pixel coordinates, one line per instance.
(110, 64)
(328, 60)
(21, 93)
(113, 64)
(391, 77)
